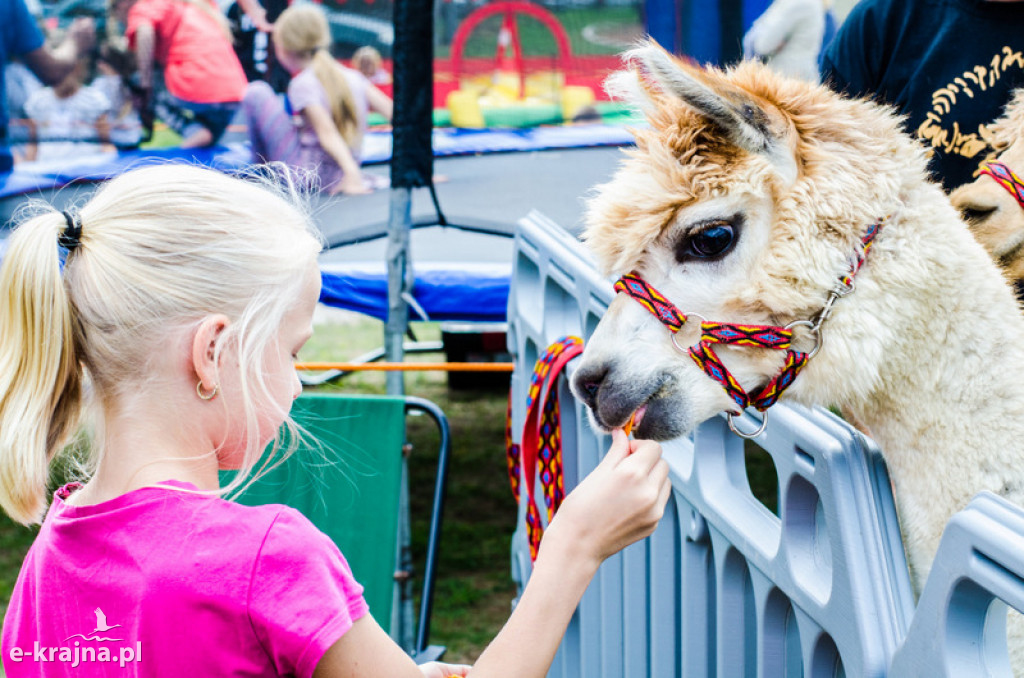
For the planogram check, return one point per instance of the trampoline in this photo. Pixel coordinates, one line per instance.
(485, 192)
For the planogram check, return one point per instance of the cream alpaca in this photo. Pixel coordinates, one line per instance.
(992, 212)
(745, 202)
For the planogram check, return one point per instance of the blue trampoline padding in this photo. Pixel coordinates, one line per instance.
(446, 291)
(376, 150)
(450, 141)
(37, 175)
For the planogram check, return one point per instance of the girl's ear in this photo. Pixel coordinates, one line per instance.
(204, 350)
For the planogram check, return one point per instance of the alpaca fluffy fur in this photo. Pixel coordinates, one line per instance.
(995, 217)
(926, 352)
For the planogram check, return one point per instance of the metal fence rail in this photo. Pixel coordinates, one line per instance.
(727, 586)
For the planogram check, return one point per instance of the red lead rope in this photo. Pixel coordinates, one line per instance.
(1006, 178)
(759, 336)
(540, 453)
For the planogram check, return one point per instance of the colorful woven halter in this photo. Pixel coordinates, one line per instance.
(1006, 178)
(759, 336)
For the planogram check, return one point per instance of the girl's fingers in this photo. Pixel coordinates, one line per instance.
(659, 474)
(620, 448)
(645, 453)
(665, 490)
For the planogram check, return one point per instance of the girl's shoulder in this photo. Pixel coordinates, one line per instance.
(306, 77)
(304, 87)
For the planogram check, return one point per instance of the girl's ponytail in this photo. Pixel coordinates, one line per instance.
(339, 94)
(40, 374)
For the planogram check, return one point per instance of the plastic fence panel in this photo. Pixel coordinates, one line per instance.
(960, 625)
(727, 585)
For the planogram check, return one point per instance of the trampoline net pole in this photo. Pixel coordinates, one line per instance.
(412, 160)
(399, 283)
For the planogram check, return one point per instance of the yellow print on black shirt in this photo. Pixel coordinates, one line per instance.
(947, 135)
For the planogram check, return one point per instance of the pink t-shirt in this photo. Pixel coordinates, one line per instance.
(159, 582)
(199, 63)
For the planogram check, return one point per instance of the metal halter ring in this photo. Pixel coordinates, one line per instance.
(815, 330)
(672, 335)
(732, 425)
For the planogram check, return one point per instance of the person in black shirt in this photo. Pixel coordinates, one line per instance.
(251, 24)
(948, 65)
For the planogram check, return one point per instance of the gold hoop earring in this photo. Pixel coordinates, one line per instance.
(207, 396)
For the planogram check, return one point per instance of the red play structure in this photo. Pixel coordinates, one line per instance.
(509, 56)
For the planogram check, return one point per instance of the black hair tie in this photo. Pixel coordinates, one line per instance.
(71, 237)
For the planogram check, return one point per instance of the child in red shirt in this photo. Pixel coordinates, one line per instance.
(187, 67)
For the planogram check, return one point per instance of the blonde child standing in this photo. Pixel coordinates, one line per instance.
(68, 120)
(319, 127)
(368, 61)
(175, 301)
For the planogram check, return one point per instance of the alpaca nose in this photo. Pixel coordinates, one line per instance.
(587, 382)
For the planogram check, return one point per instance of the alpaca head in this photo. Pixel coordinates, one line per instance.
(743, 202)
(995, 217)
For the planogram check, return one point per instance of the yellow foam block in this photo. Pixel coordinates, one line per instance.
(546, 84)
(574, 99)
(465, 109)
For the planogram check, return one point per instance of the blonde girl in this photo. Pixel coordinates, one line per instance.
(320, 125)
(368, 61)
(173, 303)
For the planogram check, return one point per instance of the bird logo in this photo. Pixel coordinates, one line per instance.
(101, 622)
(101, 627)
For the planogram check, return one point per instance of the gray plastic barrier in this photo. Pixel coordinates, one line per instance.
(959, 628)
(726, 586)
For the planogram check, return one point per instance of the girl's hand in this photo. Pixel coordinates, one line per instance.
(259, 20)
(438, 670)
(352, 184)
(83, 33)
(620, 502)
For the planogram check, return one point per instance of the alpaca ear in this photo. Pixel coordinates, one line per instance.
(732, 110)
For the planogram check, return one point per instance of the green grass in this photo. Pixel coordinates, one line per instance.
(14, 542)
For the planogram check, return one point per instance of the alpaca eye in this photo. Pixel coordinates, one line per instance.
(976, 214)
(712, 241)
